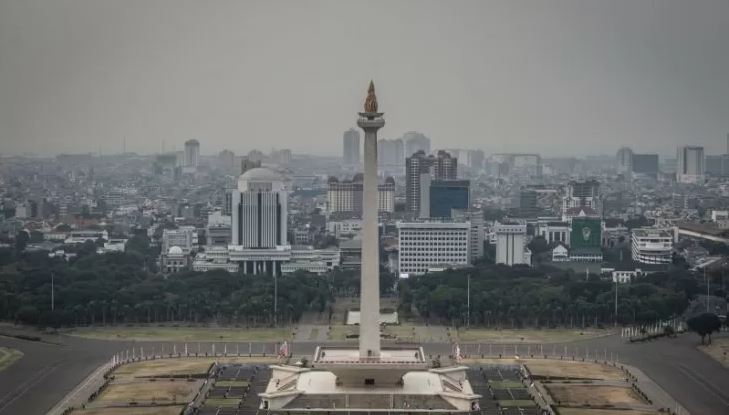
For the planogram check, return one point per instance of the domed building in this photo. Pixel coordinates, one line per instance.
(259, 221)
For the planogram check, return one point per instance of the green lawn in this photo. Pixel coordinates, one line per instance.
(149, 333)
(534, 336)
(8, 357)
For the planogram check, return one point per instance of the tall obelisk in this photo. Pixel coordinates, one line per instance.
(369, 325)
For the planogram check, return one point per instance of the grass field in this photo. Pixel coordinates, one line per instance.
(533, 336)
(159, 410)
(520, 404)
(505, 384)
(161, 391)
(595, 395)
(563, 369)
(340, 331)
(191, 334)
(180, 367)
(585, 411)
(718, 350)
(8, 357)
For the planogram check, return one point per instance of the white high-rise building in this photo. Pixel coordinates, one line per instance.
(691, 165)
(652, 246)
(259, 210)
(433, 246)
(511, 244)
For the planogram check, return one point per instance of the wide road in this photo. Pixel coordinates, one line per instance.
(48, 372)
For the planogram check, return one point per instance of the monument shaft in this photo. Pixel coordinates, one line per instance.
(369, 325)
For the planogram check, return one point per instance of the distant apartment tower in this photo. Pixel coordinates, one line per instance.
(192, 153)
(624, 160)
(475, 159)
(248, 164)
(350, 147)
(652, 246)
(345, 196)
(691, 167)
(645, 165)
(390, 154)
(432, 246)
(511, 243)
(440, 167)
(717, 166)
(415, 141)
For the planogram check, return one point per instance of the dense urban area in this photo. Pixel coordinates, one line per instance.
(530, 241)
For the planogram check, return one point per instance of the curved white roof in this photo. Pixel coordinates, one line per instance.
(261, 174)
(175, 250)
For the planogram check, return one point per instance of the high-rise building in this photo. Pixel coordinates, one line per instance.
(691, 167)
(432, 246)
(390, 154)
(717, 166)
(350, 147)
(645, 165)
(446, 195)
(346, 195)
(475, 159)
(511, 243)
(192, 153)
(259, 214)
(624, 160)
(440, 167)
(415, 141)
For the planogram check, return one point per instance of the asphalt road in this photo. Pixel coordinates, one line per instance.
(48, 372)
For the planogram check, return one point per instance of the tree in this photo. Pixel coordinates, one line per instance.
(21, 241)
(704, 324)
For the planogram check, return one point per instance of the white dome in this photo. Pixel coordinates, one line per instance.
(261, 179)
(261, 174)
(175, 250)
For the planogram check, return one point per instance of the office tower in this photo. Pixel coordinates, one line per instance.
(717, 166)
(444, 196)
(192, 153)
(414, 142)
(370, 121)
(432, 246)
(420, 165)
(691, 165)
(259, 210)
(528, 203)
(511, 243)
(625, 160)
(645, 165)
(390, 154)
(226, 158)
(350, 149)
(345, 196)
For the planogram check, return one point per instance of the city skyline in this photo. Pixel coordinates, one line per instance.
(568, 77)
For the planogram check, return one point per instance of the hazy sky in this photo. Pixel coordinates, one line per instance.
(556, 77)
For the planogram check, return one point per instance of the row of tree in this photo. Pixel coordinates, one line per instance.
(544, 296)
(119, 288)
